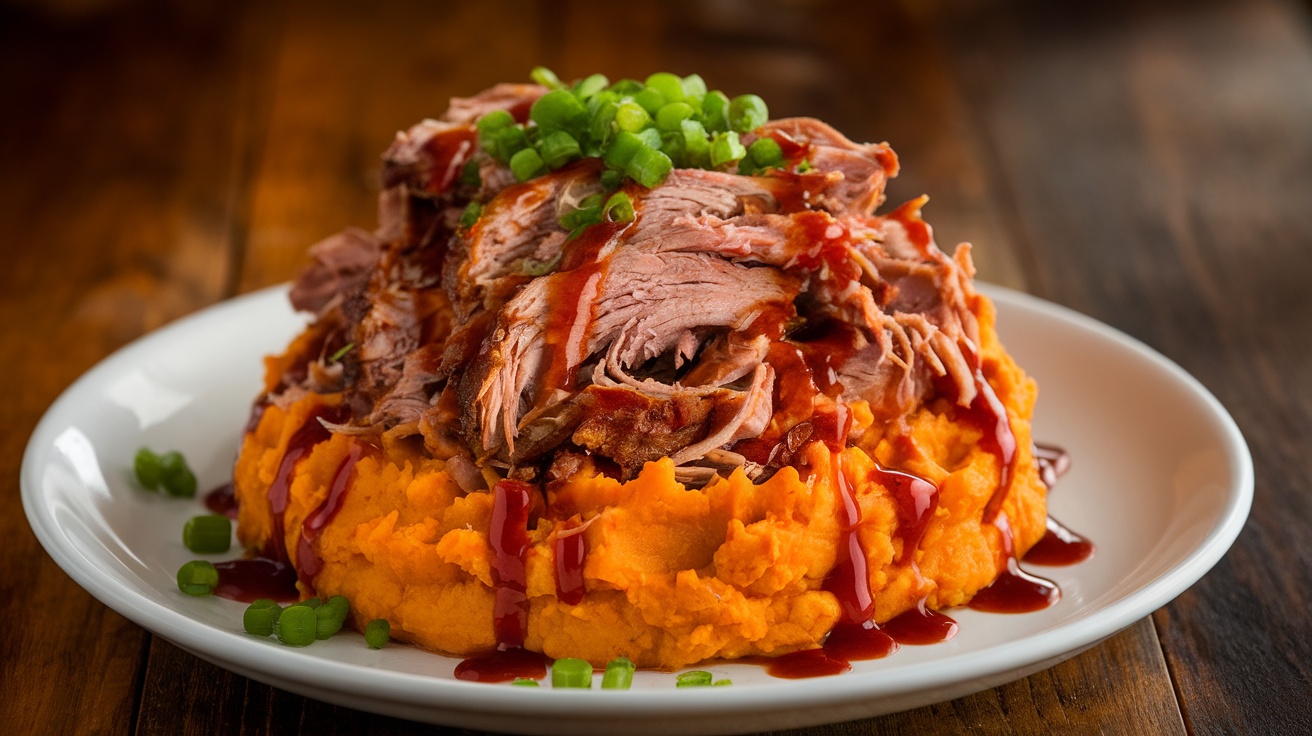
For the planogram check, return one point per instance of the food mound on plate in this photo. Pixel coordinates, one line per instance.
(631, 370)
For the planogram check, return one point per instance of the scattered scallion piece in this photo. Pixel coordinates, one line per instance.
(559, 148)
(197, 577)
(146, 465)
(341, 352)
(618, 208)
(765, 153)
(715, 112)
(297, 626)
(747, 113)
(260, 617)
(472, 212)
(330, 617)
(545, 77)
(176, 478)
(619, 674)
(526, 682)
(726, 149)
(377, 633)
(209, 534)
(527, 163)
(693, 678)
(570, 672)
(722, 683)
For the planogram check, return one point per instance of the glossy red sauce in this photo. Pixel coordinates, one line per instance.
(570, 555)
(988, 414)
(449, 151)
(572, 292)
(508, 535)
(502, 665)
(916, 500)
(794, 192)
(849, 580)
(258, 577)
(845, 644)
(920, 626)
(222, 501)
(308, 561)
(311, 433)
(1060, 546)
(1014, 591)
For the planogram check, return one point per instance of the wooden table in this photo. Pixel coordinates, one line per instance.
(1146, 163)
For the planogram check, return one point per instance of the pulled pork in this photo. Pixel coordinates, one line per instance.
(734, 318)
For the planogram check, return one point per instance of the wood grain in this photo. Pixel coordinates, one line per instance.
(1165, 192)
(115, 194)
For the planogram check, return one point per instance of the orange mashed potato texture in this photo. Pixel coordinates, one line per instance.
(673, 576)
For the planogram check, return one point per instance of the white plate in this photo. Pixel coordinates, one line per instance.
(1162, 481)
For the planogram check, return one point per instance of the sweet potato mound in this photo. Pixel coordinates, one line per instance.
(672, 576)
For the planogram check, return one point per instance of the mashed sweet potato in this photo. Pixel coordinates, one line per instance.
(672, 575)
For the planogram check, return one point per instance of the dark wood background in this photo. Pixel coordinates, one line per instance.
(1146, 163)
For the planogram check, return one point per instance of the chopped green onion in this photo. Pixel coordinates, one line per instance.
(260, 616)
(619, 674)
(545, 77)
(694, 86)
(632, 117)
(527, 164)
(495, 120)
(175, 476)
(330, 616)
(377, 632)
(558, 149)
(693, 678)
(588, 213)
(669, 85)
(469, 175)
(526, 682)
(591, 85)
(618, 208)
(627, 87)
(696, 145)
(726, 149)
(611, 179)
(651, 137)
(672, 115)
(341, 352)
(559, 109)
(648, 166)
(765, 153)
(651, 99)
(297, 626)
(472, 212)
(722, 683)
(146, 465)
(621, 149)
(715, 112)
(209, 534)
(747, 113)
(571, 673)
(506, 142)
(197, 577)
